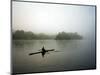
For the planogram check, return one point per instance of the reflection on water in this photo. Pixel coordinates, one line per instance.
(74, 55)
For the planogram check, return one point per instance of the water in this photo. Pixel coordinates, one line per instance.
(73, 55)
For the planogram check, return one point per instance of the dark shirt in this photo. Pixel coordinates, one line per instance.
(43, 49)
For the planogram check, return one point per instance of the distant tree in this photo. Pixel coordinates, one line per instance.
(19, 34)
(67, 36)
(22, 35)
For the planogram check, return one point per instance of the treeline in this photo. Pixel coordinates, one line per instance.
(23, 35)
(69, 36)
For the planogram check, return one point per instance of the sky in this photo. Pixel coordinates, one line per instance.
(53, 18)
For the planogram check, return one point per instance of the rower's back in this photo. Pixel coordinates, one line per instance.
(43, 49)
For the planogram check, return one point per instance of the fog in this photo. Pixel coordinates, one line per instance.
(53, 18)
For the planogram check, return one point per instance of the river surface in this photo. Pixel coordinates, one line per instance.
(71, 55)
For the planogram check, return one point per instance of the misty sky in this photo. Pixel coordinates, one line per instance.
(53, 18)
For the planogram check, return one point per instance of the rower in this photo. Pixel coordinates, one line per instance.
(43, 49)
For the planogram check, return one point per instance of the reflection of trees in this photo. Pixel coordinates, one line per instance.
(63, 43)
(68, 45)
(23, 43)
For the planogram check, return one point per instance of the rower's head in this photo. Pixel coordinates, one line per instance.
(43, 49)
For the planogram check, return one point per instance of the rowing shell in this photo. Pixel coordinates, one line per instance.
(41, 52)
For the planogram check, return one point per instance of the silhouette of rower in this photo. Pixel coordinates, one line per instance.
(43, 51)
